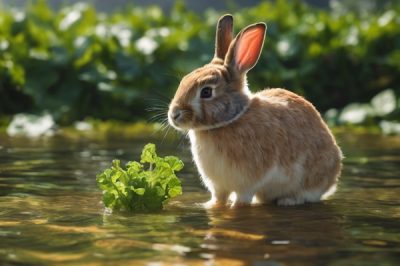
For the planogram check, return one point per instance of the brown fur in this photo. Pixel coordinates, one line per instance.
(287, 132)
(272, 144)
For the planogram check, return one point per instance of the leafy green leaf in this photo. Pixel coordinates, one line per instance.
(138, 189)
(149, 154)
(109, 199)
(174, 163)
(175, 191)
(175, 188)
(116, 164)
(134, 167)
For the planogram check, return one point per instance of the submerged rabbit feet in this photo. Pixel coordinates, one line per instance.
(242, 200)
(304, 197)
(218, 199)
(231, 200)
(214, 203)
(247, 199)
(289, 201)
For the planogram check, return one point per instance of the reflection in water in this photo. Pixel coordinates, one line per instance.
(269, 232)
(50, 212)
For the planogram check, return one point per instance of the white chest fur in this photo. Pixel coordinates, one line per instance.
(219, 171)
(220, 174)
(215, 169)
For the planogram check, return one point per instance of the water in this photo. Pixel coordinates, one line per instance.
(51, 214)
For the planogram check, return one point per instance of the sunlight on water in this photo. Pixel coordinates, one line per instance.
(50, 212)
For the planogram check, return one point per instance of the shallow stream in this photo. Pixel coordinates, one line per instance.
(51, 214)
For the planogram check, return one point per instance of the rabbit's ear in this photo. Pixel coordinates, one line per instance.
(245, 50)
(223, 36)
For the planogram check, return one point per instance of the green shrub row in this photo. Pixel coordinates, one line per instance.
(77, 63)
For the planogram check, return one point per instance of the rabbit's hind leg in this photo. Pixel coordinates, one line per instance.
(301, 198)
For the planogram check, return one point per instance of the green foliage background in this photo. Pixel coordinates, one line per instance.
(77, 63)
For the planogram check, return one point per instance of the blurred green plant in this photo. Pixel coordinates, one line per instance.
(382, 111)
(77, 63)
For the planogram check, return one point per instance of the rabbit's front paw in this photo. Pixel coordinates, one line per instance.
(242, 200)
(212, 203)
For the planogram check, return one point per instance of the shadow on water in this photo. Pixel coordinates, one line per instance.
(50, 212)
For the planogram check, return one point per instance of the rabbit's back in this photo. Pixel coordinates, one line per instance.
(297, 128)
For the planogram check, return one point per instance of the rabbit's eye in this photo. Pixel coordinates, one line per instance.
(206, 92)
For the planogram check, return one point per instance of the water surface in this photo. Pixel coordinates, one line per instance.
(51, 214)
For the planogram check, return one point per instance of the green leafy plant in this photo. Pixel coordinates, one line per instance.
(77, 62)
(142, 186)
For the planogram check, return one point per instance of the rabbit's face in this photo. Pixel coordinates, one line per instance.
(207, 98)
(216, 94)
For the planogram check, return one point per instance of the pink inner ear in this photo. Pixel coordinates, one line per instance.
(249, 48)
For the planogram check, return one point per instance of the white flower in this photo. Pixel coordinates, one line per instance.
(164, 31)
(355, 113)
(384, 102)
(101, 30)
(159, 32)
(390, 127)
(352, 36)
(31, 125)
(283, 47)
(4, 45)
(79, 41)
(123, 34)
(19, 15)
(386, 18)
(83, 126)
(124, 37)
(70, 19)
(146, 45)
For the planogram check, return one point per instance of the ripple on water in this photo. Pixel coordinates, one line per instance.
(50, 213)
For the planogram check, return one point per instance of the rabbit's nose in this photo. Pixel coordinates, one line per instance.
(176, 114)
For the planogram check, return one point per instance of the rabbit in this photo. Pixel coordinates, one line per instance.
(270, 146)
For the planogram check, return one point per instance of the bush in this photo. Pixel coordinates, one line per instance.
(78, 63)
